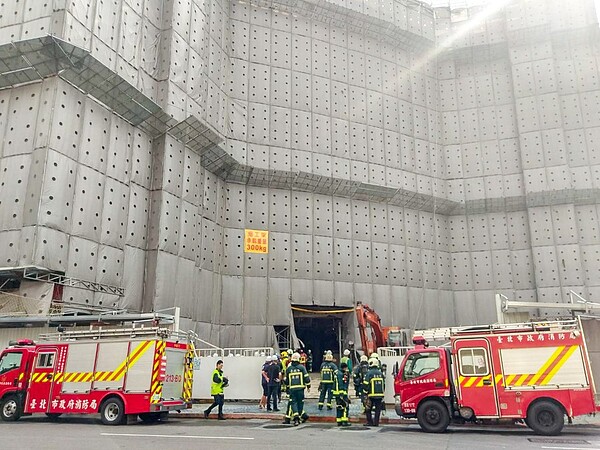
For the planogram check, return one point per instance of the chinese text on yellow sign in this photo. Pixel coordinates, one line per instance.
(256, 241)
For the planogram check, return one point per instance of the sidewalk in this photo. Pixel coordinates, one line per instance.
(249, 410)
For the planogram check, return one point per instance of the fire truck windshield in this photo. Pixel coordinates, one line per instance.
(10, 361)
(419, 364)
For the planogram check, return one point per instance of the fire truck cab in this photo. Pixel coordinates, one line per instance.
(121, 374)
(538, 372)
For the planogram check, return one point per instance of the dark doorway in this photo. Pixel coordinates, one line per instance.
(319, 331)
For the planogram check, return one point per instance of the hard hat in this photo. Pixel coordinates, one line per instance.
(373, 362)
(284, 354)
(364, 358)
(375, 355)
(329, 352)
(296, 357)
(346, 352)
(328, 357)
(290, 351)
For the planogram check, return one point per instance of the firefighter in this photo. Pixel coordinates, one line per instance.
(346, 359)
(328, 369)
(374, 386)
(302, 357)
(360, 371)
(218, 383)
(296, 379)
(309, 361)
(383, 368)
(340, 390)
(285, 359)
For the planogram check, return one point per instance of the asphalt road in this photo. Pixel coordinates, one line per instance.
(89, 433)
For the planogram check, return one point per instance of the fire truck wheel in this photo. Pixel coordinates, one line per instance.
(545, 418)
(10, 408)
(112, 411)
(433, 416)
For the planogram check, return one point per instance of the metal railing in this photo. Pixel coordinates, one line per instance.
(234, 352)
(393, 351)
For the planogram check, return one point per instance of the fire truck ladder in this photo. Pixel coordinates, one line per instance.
(576, 304)
(444, 334)
(111, 333)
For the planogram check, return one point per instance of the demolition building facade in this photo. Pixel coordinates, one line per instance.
(249, 161)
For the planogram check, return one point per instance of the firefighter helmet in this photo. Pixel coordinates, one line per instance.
(373, 362)
(296, 356)
(284, 354)
(364, 358)
(375, 355)
(328, 357)
(346, 352)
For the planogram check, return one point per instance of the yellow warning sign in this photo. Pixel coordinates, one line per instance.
(256, 241)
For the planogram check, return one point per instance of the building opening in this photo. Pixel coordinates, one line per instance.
(322, 328)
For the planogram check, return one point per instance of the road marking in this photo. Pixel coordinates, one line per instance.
(573, 448)
(236, 438)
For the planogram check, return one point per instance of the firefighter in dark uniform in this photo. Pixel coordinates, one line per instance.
(340, 390)
(358, 377)
(296, 379)
(374, 386)
(328, 369)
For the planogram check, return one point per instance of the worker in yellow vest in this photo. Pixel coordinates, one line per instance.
(218, 383)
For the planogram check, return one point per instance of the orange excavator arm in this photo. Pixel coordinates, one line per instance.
(370, 329)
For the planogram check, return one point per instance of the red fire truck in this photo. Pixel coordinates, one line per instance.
(538, 372)
(120, 374)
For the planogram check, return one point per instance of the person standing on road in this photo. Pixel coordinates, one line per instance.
(374, 386)
(273, 377)
(296, 379)
(360, 371)
(328, 369)
(218, 383)
(309, 361)
(264, 383)
(340, 390)
(346, 359)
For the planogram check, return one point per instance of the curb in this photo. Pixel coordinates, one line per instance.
(279, 417)
(331, 419)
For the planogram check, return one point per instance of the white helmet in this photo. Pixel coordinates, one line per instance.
(296, 356)
(328, 357)
(364, 358)
(346, 352)
(373, 362)
(375, 355)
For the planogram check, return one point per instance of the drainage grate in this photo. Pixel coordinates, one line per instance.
(558, 441)
(277, 427)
